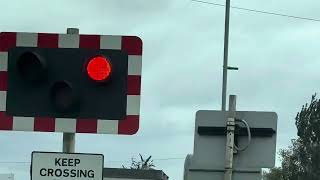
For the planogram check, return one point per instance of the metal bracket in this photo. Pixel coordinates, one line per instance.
(239, 131)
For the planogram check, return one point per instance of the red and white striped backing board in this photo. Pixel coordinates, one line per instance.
(131, 44)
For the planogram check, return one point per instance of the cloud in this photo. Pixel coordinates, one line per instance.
(182, 68)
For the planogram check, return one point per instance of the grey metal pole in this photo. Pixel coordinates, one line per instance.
(225, 56)
(68, 142)
(230, 138)
(69, 139)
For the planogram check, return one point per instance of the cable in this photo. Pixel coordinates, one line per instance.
(14, 162)
(260, 11)
(162, 159)
(249, 136)
(168, 159)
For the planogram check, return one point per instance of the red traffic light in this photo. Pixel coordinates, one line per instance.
(99, 68)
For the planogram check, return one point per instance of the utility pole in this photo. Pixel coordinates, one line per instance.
(225, 56)
(232, 100)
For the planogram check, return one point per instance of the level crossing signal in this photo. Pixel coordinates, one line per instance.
(70, 82)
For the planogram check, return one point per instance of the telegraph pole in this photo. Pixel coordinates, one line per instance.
(225, 56)
(232, 100)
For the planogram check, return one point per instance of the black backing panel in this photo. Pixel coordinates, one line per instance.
(102, 101)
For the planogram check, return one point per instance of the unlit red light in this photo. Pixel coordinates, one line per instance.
(99, 68)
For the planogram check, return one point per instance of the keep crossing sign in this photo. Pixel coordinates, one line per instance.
(66, 166)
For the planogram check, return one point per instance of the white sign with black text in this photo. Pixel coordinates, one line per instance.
(66, 166)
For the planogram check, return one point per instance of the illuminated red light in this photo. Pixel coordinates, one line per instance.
(99, 68)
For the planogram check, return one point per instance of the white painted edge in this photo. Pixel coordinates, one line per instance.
(3, 100)
(23, 123)
(3, 61)
(107, 126)
(134, 65)
(69, 41)
(65, 125)
(110, 42)
(133, 105)
(27, 39)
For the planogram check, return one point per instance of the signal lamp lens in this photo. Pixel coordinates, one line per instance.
(99, 68)
(31, 67)
(63, 97)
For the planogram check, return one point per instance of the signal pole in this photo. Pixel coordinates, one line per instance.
(69, 139)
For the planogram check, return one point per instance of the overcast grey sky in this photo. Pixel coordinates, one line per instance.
(182, 69)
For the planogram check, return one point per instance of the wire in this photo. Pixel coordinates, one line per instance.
(168, 159)
(162, 159)
(249, 136)
(4, 162)
(260, 11)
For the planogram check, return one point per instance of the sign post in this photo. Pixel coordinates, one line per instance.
(230, 138)
(67, 166)
(237, 149)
